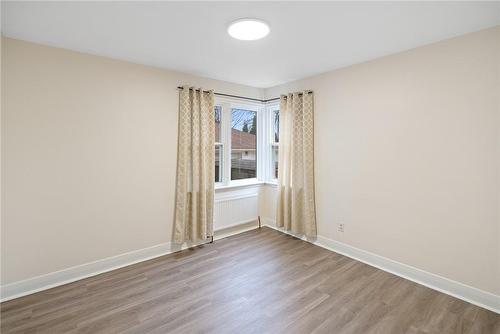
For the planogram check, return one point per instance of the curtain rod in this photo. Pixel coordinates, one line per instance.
(243, 97)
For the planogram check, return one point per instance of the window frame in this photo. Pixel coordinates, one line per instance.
(227, 104)
(272, 107)
(220, 144)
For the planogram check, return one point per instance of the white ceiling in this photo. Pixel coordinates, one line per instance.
(306, 38)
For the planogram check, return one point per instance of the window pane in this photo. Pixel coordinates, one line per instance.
(218, 115)
(275, 161)
(276, 126)
(218, 163)
(243, 144)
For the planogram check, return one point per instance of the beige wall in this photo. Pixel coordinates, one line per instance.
(407, 155)
(89, 156)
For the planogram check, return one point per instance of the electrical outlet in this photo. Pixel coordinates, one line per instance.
(341, 227)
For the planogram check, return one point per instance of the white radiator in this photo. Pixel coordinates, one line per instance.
(235, 210)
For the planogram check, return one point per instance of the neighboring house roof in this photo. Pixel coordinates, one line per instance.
(241, 140)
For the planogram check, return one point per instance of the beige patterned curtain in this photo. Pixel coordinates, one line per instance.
(296, 206)
(195, 166)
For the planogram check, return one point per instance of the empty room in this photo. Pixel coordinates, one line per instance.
(250, 167)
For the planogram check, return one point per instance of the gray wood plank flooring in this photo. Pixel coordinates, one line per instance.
(261, 281)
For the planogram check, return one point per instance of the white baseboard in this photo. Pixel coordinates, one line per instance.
(53, 279)
(453, 288)
(72, 274)
(433, 281)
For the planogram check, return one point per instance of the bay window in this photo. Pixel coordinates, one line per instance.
(245, 150)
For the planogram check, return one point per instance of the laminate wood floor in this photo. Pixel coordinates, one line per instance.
(261, 281)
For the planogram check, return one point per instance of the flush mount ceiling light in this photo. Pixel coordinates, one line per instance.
(248, 29)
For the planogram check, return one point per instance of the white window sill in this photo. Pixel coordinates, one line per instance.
(239, 184)
(245, 183)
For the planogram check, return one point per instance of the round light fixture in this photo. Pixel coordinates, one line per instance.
(248, 29)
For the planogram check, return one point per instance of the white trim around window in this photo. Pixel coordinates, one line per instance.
(264, 138)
